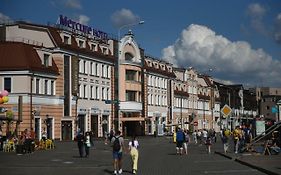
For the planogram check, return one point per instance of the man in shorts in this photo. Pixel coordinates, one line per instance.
(117, 152)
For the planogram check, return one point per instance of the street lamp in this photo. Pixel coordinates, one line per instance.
(118, 66)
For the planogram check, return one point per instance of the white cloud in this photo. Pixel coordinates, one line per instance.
(257, 12)
(200, 47)
(83, 19)
(74, 4)
(4, 18)
(123, 16)
(277, 28)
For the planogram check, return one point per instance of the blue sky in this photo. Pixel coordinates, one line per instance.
(240, 40)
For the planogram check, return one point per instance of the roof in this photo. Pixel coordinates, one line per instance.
(20, 56)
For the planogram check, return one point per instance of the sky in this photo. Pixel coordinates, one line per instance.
(234, 41)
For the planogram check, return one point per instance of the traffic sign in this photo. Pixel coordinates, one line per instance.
(226, 110)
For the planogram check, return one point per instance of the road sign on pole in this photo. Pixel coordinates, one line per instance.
(226, 110)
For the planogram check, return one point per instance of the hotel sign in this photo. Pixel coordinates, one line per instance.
(81, 28)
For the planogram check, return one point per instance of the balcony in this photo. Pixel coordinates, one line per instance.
(130, 106)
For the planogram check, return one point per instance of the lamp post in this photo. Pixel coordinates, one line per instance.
(118, 66)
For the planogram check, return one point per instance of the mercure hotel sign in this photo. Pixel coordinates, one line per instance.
(76, 26)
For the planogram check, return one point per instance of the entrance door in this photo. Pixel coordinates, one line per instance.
(133, 128)
(66, 128)
(49, 124)
(37, 129)
(94, 125)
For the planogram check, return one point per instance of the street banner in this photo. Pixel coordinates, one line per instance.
(260, 127)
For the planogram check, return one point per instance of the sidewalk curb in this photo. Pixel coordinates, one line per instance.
(247, 164)
(256, 167)
(224, 155)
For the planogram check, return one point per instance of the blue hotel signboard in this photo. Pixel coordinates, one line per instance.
(81, 28)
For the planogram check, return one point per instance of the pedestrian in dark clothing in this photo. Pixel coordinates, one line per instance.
(80, 143)
(87, 144)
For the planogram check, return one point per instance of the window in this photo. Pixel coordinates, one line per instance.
(93, 47)
(81, 43)
(102, 70)
(97, 69)
(52, 88)
(128, 56)
(108, 94)
(37, 86)
(130, 96)
(97, 93)
(103, 94)
(85, 91)
(85, 67)
(46, 60)
(8, 84)
(66, 40)
(104, 50)
(130, 75)
(46, 87)
(108, 71)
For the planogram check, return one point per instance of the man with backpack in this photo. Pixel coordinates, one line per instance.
(117, 145)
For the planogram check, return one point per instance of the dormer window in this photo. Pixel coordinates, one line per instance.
(129, 57)
(81, 43)
(46, 60)
(66, 39)
(93, 47)
(104, 50)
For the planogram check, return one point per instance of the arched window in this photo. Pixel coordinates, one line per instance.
(129, 56)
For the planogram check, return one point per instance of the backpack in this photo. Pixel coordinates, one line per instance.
(116, 145)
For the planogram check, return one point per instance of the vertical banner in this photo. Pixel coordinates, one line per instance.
(260, 127)
(74, 75)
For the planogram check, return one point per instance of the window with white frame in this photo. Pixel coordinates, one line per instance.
(46, 87)
(91, 92)
(81, 66)
(105, 71)
(108, 71)
(85, 67)
(97, 92)
(97, 69)
(91, 68)
(102, 70)
(108, 94)
(37, 86)
(94, 68)
(52, 87)
(93, 47)
(80, 91)
(46, 60)
(103, 93)
(8, 84)
(85, 91)
(66, 39)
(81, 43)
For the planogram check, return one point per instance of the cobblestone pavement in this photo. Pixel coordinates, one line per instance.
(157, 157)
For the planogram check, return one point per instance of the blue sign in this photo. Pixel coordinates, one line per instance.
(76, 26)
(274, 110)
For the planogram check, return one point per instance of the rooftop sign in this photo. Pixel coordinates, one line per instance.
(81, 28)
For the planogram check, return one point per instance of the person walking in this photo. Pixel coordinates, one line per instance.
(208, 144)
(133, 148)
(87, 144)
(117, 145)
(80, 143)
(186, 141)
(224, 139)
(179, 141)
(236, 138)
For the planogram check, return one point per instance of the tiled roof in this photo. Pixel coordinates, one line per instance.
(74, 47)
(15, 56)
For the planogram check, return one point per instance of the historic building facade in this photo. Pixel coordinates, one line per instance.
(89, 82)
